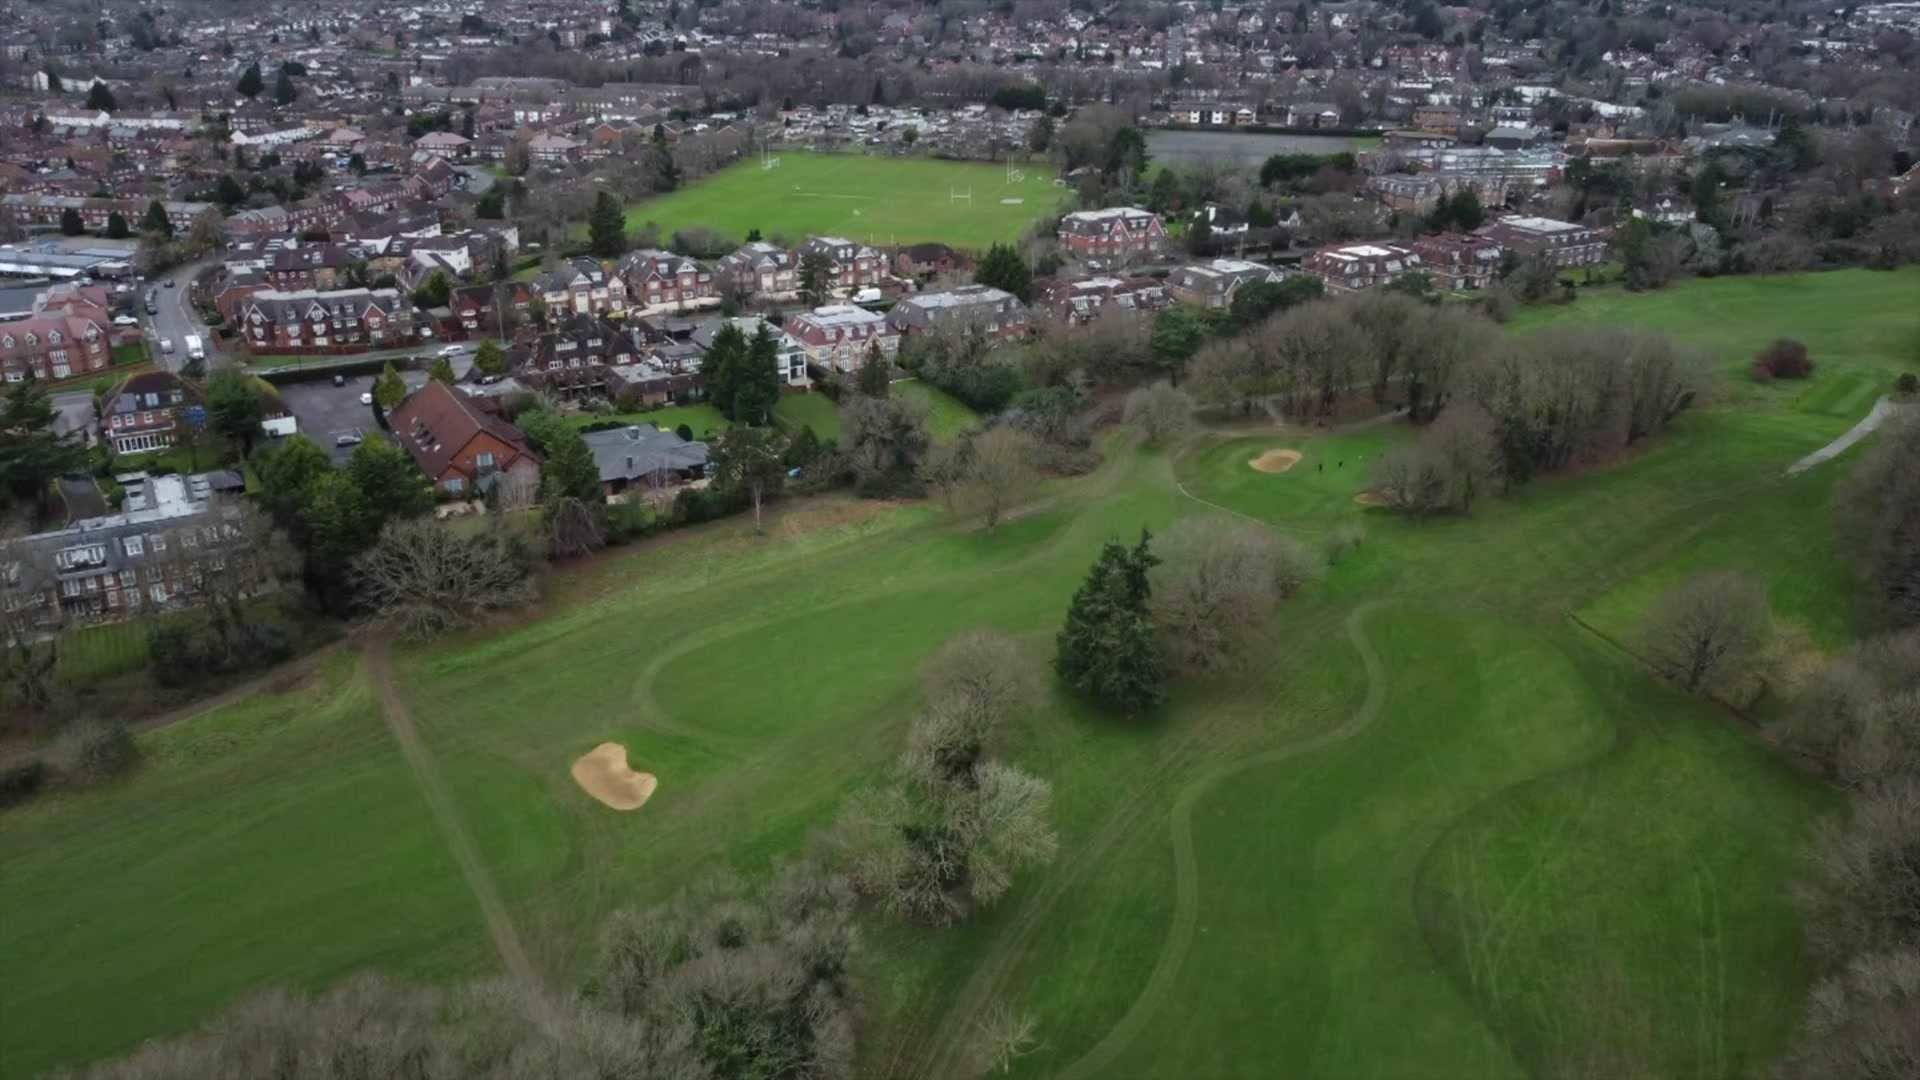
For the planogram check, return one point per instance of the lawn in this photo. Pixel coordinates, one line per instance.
(1436, 828)
(874, 200)
(703, 419)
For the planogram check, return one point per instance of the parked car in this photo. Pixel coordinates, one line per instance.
(125, 320)
(366, 399)
(170, 283)
(339, 379)
(166, 345)
(347, 438)
(452, 350)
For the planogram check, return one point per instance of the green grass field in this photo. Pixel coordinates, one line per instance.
(872, 200)
(1436, 828)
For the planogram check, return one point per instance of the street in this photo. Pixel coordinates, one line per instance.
(176, 318)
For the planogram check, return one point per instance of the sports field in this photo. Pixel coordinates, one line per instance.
(1439, 828)
(873, 200)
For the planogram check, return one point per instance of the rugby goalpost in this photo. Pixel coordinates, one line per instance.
(767, 160)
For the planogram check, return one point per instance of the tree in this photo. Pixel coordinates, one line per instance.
(233, 406)
(1880, 510)
(1219, 580)
(749, 459)
(117, 227)
(435, 291)
(229, 192)
(873, 379)
(816, 278)
(1255, 301)
(1161, 413)
(284, 92)
(357, 165)
(1178, 333)
(31, 455)
(1200, 235)
(1858, 717)
(156, 220)
(756, 385)
(722, 366)
(441, 370)
(394, 487)
(1783, 358)
(70, 223)
(607, 226)
(250, 83)
(1004, 269)
(423, 578)
(100, 98)
(490, 359)
(1859, 1022)
(492, 205)
(886, 441)
(1107, 650)
(1040, 134)
(1706, 629)
(389, 390)
(998, 473)
(1861, 883)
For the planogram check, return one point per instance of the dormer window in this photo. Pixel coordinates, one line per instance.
(53, 337)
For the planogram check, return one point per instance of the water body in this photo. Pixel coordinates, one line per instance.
(1182, 147)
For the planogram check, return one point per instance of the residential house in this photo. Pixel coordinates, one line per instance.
(1440, 118)
(1080, 301)
(996, 313)
(643, 456)
(446, 145)
(473, 306)
(1459, 261)
(851, 265)
(463, 446)
(1212, 284)
(655, 278)
(760, 267)
(319, 267)
(1312, 114)
(1563, 241)
(926, 260)
(154, 554)
(1351, 267)
(790, 355)
(837, 336)
(583, 286)
(68, 334)
(144, 413)
(94, 213)
(1116, 234)
(340, 320)
(554, 149)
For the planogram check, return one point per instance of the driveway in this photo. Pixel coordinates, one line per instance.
(327, 412)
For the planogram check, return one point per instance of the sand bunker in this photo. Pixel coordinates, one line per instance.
(1370, 498)
(1276, 461)
(603, 774)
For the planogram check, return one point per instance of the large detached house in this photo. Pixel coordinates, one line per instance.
(761, 267)
(1351, 267)
(1459, 261)
(145, 413)
(1564, 242)
(582, 286)
(980, 308)
(463, 447)
(850, 265)
(1213, 284)
(1115, 234)
(68, 334)
(1080, 301)
(837, 336)
(336, 320)
(656, 278)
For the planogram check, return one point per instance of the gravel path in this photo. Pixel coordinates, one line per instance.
(1882, 409)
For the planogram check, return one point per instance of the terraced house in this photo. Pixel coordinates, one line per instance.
(341, 320)
(655, 278)
(761, 267)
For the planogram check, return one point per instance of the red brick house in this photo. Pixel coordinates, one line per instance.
(463, 447)
(1566, 243)
(760, 267)
(1459, 261)
(837, 336)
(1351, 267)
(144, 413)
(921, 260)
(853, 265)
(660, 277)
(315, 266)
(68, 334)
(341, 320)
(473, 306)
(1080, 301)
(1115, 234)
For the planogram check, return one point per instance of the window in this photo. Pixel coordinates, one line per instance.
(159, 541)
(159, 592)
(132, 545)
(455, 484)
(484, 460)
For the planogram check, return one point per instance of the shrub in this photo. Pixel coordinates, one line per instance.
(1907, 385)
(685, 433)
(20, 780)
(91, 752)
(1346, 538)
(1785, 358)
(630, 521)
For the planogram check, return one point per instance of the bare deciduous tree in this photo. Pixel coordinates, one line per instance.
(1161, 412)
(423, 578)
(1861, 1023)
(1218, 579)
(1000, 1039)
(998, 472)
(1861, 891)
(1705, 629)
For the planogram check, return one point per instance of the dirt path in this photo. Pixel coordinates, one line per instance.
(1882, 410)
(1101, 1059)
(453, 830)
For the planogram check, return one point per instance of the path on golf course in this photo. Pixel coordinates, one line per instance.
(453, 830)
(1882, 409)
(1100, 1060)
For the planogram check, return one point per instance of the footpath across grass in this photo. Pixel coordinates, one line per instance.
(871, 200)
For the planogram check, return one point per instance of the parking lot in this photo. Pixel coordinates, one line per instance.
(328, 414)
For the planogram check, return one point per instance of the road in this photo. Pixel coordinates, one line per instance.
(176, 318)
